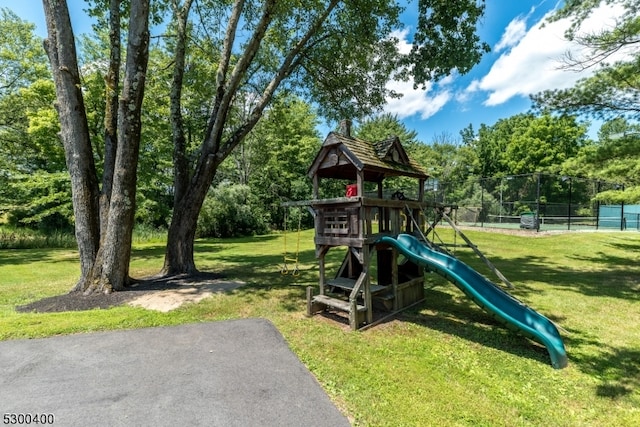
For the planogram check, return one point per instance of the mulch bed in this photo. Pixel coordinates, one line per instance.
(76, 301)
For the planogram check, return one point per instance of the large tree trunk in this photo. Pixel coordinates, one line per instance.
(104, 261)
(74, 132)
(112, 264)
(180, 160)
(179, 255)
(112, 92)
(182, 231)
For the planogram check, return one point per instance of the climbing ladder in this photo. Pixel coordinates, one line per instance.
(350, 291)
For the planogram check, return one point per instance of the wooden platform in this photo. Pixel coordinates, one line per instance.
(337, 303)
(349, 284)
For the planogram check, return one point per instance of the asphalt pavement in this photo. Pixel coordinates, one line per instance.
(229, 373)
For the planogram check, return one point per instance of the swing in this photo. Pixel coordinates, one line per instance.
(284, 270)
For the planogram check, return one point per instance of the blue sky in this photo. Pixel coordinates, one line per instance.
(525, 58)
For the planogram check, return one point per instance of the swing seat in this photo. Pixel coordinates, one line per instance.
(284, 270)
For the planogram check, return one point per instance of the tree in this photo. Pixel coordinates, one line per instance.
(447, 161)
(614, 89)
(612, 93)
(613, 159)
(337, 54)
(21, 57)
(382, 127)
(273, 159)
(31, 188)
(283, 148)
(104, 253)
(526, 143)
(231, 210)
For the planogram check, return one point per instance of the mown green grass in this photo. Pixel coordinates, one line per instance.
(444, 362)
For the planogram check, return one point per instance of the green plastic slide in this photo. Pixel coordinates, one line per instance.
(490, 297)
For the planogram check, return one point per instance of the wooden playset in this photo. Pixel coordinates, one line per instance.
(371, 275)
(386, 248)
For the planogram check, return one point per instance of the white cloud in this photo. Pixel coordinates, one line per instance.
(415, 101)
(404, 47)
(533, 64)
(425, 102)
(447, 80)
(514, 32)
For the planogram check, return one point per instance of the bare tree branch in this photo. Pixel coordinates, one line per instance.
(285, 69)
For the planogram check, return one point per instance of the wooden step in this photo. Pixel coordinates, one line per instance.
(349, 284)
(337, 303)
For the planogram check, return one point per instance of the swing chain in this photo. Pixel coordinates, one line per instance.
(284, 270)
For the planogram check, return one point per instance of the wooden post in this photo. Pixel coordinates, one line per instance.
(321, 274)
(321, 252)
(366, 255)
(353, 315)
(396, 221)
(360, 183)
(394, 277)
(309, 298)
(316, 186)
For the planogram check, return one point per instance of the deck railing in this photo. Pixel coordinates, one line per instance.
(358, 220)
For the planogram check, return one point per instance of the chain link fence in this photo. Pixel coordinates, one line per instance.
(534, 201)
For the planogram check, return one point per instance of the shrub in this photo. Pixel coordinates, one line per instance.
(229, 211)
(25, 238)
(39, 201)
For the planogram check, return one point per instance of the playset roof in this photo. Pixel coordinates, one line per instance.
(342, 156)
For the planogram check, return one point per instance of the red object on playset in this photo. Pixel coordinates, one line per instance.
(352, 190)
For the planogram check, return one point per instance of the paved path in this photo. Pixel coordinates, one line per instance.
(231, 373)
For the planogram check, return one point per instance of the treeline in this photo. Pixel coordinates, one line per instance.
(269, 167)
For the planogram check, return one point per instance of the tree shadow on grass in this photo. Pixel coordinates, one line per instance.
(616, 278)
(616, 368)
(263, 268)
(291, 298)
(10, 257)
(462, 318)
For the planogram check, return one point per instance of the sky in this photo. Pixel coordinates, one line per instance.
(525, 58)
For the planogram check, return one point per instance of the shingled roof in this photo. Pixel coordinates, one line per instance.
(342, 156)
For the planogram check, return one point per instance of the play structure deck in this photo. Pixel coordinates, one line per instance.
(386, 251)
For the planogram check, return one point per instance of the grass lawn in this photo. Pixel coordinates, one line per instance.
(443, 363)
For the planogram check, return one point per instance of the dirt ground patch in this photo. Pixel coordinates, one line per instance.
(156, 293)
